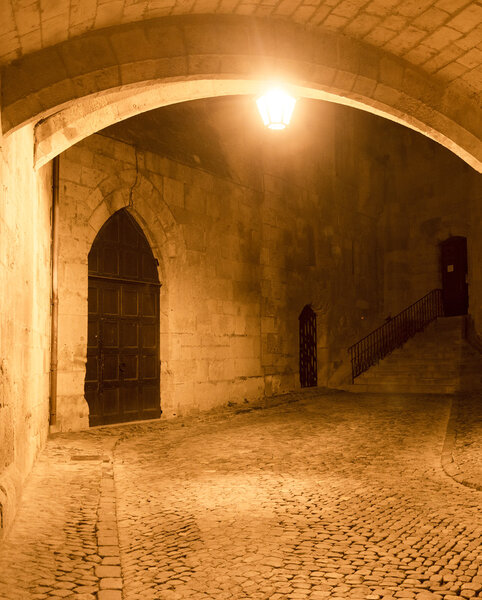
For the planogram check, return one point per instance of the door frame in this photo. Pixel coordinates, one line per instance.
(121, 283)
(456, 302)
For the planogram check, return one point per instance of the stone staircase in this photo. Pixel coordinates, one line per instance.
(437, 360)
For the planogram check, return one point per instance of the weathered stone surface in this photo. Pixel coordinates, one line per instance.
(238, 263)
(109, 595)
(107, 571)
(231, 48)
(24, 315)
(237, 327)
(401, 27)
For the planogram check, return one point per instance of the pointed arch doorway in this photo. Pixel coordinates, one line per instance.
(308, 362)
(122, 373)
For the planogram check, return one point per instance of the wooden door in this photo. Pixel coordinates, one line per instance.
(122, 372)
(454, 276)
(308, 362)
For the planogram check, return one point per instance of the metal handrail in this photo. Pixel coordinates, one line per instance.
(395, 332)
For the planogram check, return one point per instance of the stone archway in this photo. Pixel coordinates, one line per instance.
(206, 55)
(145, 204)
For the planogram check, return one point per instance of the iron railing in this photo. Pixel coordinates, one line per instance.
(395, 332)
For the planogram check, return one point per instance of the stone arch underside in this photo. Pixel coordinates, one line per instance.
(87, 83)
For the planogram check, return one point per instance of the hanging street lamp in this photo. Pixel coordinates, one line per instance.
(276, 108)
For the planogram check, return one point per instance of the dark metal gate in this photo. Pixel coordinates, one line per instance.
(122, 372)
(308, 364)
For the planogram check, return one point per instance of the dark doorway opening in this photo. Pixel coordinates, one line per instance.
(454, 276)
(122, 373)
(308, 362)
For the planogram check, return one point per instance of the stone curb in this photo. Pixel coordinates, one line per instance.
(109, 572)
(448, 458)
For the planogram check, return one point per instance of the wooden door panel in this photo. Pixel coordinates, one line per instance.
(149, 399)
(110, 401)
(129, 334)
(110, 232)
(148, 269)
(129, 366)
(148, 336)
(109, 300)
(454, 273)
(148, 303)
(129, 401)
(110, 262)
(110, 367)
(130, 265)
(148, 367)
(110, 333)
(122, 371)
(93, 300)
(130, 301)
(130, 237)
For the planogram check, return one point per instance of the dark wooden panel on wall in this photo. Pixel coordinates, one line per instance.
(122, 372)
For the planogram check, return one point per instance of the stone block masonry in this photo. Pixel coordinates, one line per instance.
(236, 264)
(24, 315)
(328, 48)
(239, 261)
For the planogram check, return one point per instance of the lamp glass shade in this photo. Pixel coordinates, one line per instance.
(276, 108)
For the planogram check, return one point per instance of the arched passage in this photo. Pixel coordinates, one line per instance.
(122, 373)
(89, 82)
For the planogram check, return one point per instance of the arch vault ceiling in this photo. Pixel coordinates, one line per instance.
(442, 37)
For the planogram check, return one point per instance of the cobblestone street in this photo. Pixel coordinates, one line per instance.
(335, 496)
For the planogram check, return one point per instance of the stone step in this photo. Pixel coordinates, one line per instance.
(401, 389)
(441, 349)
(462, 358)
(437, 360)
(415, 365)
(422, 370)
(421, 356)
(407, 379)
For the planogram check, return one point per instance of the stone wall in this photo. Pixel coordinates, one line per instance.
(429, 193)
(346, 216)
(473, 191)
(24, 314)
(238, 262)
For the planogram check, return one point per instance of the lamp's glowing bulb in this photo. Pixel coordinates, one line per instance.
(276, 108)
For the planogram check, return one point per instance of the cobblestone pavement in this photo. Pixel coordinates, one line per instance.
(340, 496)
(467, 446)
(52, 550)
